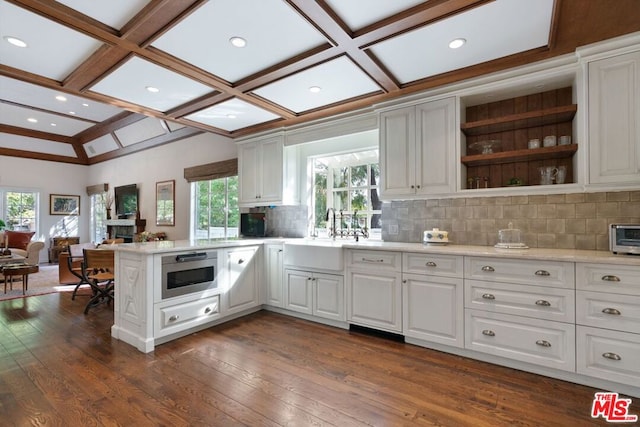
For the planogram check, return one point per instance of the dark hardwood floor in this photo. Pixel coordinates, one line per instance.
(59, 367)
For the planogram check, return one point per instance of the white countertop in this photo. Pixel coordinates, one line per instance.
(572, 255)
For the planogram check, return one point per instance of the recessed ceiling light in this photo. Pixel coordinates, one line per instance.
(84, 104)
(73, 113)
(15, 41)
(315, 89)
(53, 124)
(32, 120)
(61, 98)
(152, 89)
(456, 43)
(231, 116)
(238, 41)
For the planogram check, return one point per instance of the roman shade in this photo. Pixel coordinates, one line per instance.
(97, 189)
(216, 170)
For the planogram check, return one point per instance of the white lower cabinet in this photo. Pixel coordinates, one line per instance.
(374, 289)
(608, 322)
(274, 256)
(178, 314)
(242, 290)
(316, 294)
(541, 342)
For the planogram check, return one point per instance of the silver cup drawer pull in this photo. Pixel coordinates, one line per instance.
(542, 273)
(488, 268)
(612, 311)
(208, 310)
(488, 296)
(610, 278)
(174, 318)
(543, 303)
(611, 356)
(431, 264)
(543, 343)
(489, 333)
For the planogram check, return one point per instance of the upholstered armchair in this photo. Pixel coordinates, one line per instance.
(20, 243)
(31, 253)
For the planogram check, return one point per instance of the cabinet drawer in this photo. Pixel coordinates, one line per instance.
(526, 272)
(436, 265)
(522, 300)
(617, 279)
(540, 342)
(378, 259)
(610, 355)
(611, 311)
(182, 316)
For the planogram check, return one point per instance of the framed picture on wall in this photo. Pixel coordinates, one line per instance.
(63, 204)
(165, 195)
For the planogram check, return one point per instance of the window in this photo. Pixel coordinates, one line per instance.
(349, 184)
(98, 217)
(20, 210)
(216, 213)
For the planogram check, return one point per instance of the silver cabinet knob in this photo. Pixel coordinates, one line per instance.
(207, 310)
(174, 318)
(240, 261)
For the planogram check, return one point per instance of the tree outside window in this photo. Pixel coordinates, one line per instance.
(216, 208)
(98, 217)
(20, 210)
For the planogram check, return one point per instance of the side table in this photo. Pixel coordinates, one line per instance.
(18, 270)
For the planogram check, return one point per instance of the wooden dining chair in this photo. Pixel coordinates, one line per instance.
(75, 264)
(99, 267)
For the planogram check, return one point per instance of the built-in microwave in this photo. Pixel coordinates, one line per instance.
(253, 224)
(624, 238)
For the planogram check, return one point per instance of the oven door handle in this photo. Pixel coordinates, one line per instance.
(197, 256)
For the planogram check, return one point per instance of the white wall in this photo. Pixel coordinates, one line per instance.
(161, 164)
(144, 169)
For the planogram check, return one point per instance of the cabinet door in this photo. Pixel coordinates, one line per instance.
(275, 275)
(433, 309)
(397, 152)
(242, 286)
(614, 117)
(435, 147)
(374, 299)
(270, 185)
(328, 296)
(249, 167)
(299, 291)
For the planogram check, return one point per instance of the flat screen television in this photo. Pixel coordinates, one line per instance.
(126, 200)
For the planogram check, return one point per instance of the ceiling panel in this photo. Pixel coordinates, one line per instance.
(232, 115)
(36, 145)
(337, 80)
(425, 52)
(48, 51)
(44, 98)
(130, 82)
(114, 13)
(42, 121)
(140, 131)
(357, 17)
(102, 145)
(274, 32)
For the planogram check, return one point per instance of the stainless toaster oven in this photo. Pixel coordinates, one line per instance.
(624, 238)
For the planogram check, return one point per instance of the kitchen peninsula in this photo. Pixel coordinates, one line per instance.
(567, 314)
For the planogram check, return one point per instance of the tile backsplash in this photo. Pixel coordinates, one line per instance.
(563, 221)
(285, 221)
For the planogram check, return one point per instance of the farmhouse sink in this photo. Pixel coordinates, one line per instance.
(320, 254)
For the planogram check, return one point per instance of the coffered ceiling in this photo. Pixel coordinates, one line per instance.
(99, 79)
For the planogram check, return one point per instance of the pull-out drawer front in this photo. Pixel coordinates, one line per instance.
(540, 342)
(377, 259)
(618, 279)
(611, 311)
(610, 355)
(182, 316)
(436, 265)
(531, 301)
(526, 272)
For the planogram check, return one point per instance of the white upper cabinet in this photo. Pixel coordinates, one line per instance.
(263, 171)
(417, 150)
(614, 120)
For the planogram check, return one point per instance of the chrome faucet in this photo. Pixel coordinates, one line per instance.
(332, 230)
